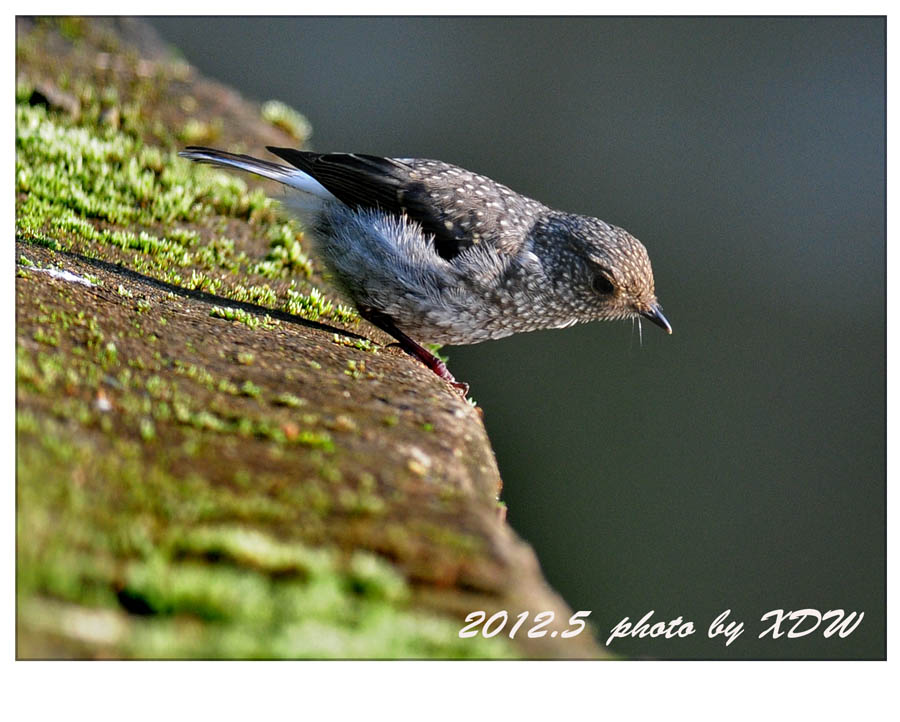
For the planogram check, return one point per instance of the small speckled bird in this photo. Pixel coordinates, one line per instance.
(432, 253)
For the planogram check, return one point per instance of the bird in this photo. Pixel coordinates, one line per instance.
(432, 253)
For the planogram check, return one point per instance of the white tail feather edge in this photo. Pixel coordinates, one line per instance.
(286, 175)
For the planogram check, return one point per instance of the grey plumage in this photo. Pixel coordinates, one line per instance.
(437, 253)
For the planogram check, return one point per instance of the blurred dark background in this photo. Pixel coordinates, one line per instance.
(739, 463)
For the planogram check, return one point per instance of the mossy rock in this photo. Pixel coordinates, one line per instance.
(215, 456)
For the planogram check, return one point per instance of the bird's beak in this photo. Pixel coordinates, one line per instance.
(655, 315)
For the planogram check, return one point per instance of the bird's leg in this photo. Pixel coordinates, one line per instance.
(386, 324)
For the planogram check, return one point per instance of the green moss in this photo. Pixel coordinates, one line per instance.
(198, 132)
(242, 316)
(283, 116)
(174, 504)
(97, 173)
(312, 305)
(106, 194)
(134, 568)
(251, 389)
(139, 399)
(363, 344)
(41, 336)
(286, 256)
(289, 400)
(448, 538)
(355, 369)
(72, 28)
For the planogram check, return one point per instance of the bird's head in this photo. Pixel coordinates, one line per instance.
(609, 271)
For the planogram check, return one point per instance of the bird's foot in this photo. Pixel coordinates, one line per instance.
(440, 368)
(414, 349)
(437, 366)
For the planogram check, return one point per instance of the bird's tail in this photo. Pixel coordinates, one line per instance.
(314, 193)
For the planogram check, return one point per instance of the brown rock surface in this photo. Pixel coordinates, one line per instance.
(181, 465)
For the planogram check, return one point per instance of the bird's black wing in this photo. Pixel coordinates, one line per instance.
(394, 186)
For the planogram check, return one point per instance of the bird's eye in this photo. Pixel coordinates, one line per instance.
(602, 284)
